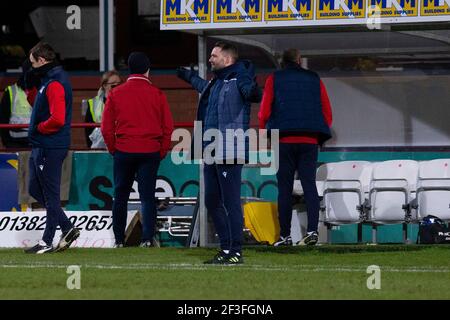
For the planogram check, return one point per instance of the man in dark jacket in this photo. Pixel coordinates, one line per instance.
(296, 103)
(49, 135)
(225, 105)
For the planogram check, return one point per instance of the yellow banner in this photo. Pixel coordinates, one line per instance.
(244, 11)
(340, 9)
(288, 10)
(186, 11)
(218, 14)
(396, 8)
(435, 7)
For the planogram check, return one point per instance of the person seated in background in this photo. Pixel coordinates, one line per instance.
(95, 106)
(16, 106)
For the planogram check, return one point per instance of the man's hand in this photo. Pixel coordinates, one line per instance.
(186, 74)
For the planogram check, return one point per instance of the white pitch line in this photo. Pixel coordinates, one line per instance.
(186, 266)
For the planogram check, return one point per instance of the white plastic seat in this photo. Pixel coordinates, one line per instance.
(344, 192)
(433, 189)
(390, 191)
(321, 175)
(344, 187)
(390, 194)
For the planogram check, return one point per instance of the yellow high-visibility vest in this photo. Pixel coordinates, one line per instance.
(96, 106)
(20, 110)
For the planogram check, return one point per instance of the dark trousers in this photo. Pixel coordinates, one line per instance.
(223, 202)
(127, 167)
(303, 158)
(45, 167)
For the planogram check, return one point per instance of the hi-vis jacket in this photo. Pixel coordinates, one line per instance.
(20, 110)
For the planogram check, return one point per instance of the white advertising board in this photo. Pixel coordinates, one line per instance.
(24, 229)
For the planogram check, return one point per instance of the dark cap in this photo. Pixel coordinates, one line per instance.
(138, 63)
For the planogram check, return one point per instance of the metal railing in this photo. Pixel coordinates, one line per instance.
(78, 125)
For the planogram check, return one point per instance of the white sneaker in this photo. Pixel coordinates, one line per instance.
(40, 248)
(309, 239)
(283, 241)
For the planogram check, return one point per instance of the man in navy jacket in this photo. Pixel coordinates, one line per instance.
(296, 103)
(225, 105)
(49, 135)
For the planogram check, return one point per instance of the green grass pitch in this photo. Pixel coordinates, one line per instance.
(321, 272)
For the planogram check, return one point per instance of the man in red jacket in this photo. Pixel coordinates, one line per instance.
(296, 103)
(137, 125)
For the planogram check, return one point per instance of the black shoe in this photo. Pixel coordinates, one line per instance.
(234, 258)
(309, 239)
(283, 241)
(67, 238)
(118, 245)
(40, 248)
(220, 258)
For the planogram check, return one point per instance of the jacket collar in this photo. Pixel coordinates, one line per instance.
(225, 72)
(292, 65)
(138, 77)
(50, 74)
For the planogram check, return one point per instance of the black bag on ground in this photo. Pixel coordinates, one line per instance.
(433, 230)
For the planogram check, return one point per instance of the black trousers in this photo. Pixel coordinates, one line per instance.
(144, 168)
(223, 202)
(45, 167)
(303, 159)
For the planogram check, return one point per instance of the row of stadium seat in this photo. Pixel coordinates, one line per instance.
(388, 192)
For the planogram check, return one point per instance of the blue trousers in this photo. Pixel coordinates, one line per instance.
(303, 159)
(127, 167)
(45, 166)
(223, 202)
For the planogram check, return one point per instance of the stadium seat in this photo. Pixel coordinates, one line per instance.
(433, 189)
(321, 175)
(344, 193)
(390, 194)
(320, 180)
